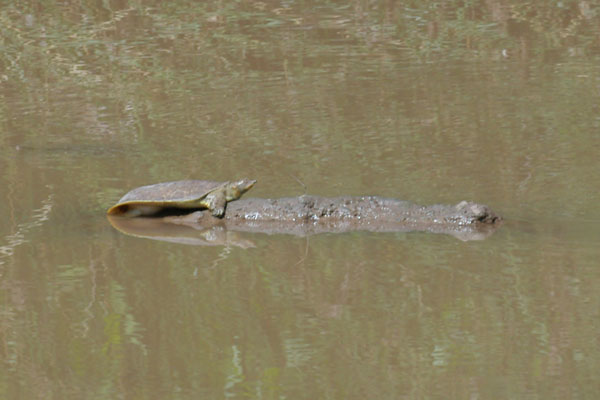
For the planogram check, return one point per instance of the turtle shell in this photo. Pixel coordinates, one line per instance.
(178, 194)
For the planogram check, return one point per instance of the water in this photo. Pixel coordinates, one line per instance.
(318, 98)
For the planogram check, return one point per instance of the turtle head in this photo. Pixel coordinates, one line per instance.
(236, 189)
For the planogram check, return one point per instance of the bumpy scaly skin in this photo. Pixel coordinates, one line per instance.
(307, 215)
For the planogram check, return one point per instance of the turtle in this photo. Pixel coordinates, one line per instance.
(188, 194)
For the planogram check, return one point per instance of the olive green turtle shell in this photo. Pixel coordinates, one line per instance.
(178, 194)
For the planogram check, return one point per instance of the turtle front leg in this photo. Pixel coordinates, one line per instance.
(216, 205)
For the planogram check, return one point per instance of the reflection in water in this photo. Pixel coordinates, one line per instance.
(490, 101)
(19, 237)
(159, 229)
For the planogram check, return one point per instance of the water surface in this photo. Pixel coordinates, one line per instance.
(426, 104)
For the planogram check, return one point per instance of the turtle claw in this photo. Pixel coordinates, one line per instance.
(218, 212)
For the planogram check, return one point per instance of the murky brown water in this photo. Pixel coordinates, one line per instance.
(412, 103)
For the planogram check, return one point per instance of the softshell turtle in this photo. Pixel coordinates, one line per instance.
(148, 200)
